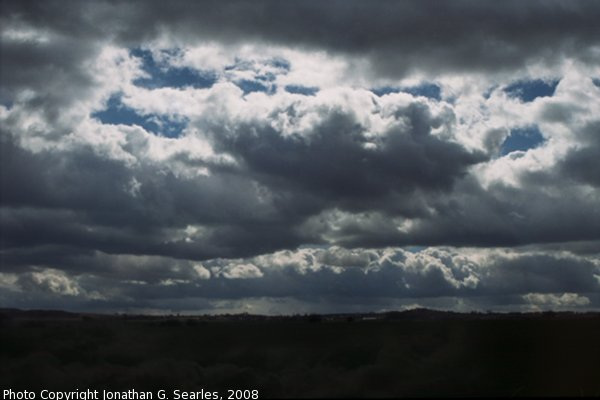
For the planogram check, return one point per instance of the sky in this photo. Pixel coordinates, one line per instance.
(282, 157)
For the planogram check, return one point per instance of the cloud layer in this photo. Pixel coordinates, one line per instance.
(217, 156)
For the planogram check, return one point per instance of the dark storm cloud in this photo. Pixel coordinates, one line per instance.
(545, 210)
(584, 248)
(542, 273)
(582, 164)
(78, 198)
(52, 65)
(334, 161)
(59, 61)
(396, 36)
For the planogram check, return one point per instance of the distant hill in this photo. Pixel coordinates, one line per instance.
(420, 314)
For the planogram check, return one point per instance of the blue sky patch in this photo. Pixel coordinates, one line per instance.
(596, 81)
(168, 76)
(522, 139)
(248, 65)
(263, 79)
(281, 63)
(429, 90)
(116, 113)
(267, 77)
(299, 89)
(249, 86)
(530, 90)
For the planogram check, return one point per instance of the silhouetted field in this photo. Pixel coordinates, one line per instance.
(403, 354)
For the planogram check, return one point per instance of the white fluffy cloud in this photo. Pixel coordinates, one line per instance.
(553, 301)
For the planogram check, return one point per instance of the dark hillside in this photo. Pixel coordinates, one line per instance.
(415, 353)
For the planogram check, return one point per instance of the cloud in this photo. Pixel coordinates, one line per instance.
(202, 272)
(50, 280)
(224, 152)
(241, 271)
(579, 164)
(541, 301)
(339, 158)
(459, 36)
(363, 278)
